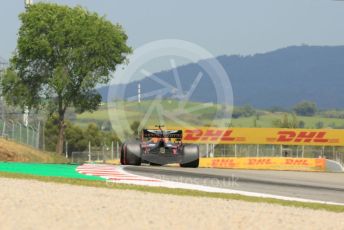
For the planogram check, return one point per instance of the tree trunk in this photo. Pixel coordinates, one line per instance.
(60, 138)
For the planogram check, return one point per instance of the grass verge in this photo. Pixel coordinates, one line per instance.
(179, 192)
(15, 152)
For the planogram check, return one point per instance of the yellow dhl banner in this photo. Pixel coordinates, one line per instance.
(266, 163)
(273, 136)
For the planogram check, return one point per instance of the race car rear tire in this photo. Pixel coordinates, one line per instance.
(190, 156)
(131, 154)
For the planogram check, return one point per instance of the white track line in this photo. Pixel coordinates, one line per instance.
(113, 174)
(117, 174)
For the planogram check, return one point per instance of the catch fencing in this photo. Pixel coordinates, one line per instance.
(97, 154)
(18, 132)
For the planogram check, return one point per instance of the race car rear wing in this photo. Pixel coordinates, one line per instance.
(155, 133)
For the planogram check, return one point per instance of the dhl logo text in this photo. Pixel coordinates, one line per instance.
(302, 137)
(296, 162)
(263, 161)
(213, 135)
(223, 163)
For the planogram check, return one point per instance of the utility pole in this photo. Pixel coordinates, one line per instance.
(139, 93)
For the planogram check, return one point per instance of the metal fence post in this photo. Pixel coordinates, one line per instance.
(273, 150)
(112, 150)
(303, 151)
(43, 137)
(89, 151)
(27, 135)
(12, 130)
(117, 152)
(20, 133)
(37, 134)
(257, 150)
(66, 149)
(32, 142)
(103, 147)
(4, 128)
(32, 135)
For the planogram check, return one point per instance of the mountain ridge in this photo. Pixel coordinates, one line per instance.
(281, 78)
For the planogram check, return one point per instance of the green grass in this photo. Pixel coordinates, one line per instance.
(48, 170)
(178, 192)
(134, 111)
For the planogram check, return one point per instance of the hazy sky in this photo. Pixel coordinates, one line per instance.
(220, 26)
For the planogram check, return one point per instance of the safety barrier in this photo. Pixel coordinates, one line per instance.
(263, 163)
(267, 136)
(266, 163)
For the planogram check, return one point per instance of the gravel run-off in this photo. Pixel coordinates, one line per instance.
(29, 204)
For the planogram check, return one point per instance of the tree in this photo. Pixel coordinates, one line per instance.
(285, 122)
(93, 134)
(62, 54)
(73, 134)
(294, 123)
(301, 124)
(75, 138)
(305, 108)
(51, 133)
(319, 125)
(245, 111)
(135, 127)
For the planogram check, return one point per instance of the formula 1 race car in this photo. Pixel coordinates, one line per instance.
(159, 147)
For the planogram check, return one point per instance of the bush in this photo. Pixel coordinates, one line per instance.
(245, 111)
(305, 108)
(77, 137)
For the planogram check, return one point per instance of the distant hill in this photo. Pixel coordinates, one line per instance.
(279, 78)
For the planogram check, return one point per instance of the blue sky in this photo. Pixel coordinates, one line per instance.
(220, 26)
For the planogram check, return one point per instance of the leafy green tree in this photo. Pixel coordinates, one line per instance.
(285, 122)
(301, 124)
(76, 138)
(62, 54)
(319, 125)
(275, 109)
(305, 108)
(245, 111)
(73, 134)
(51, 133)
(254, 122)
(110, 137)
(94, 135)
(294, 122)
(134, 127)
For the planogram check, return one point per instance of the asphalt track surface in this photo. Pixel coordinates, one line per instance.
(307, 185)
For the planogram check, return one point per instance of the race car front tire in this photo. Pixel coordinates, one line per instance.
(131, 154)
(190, 156)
